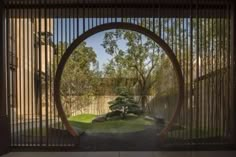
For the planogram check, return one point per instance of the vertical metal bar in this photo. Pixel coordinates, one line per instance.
(228, 66)
(224, 105)
(205, 69)
(99, 14)
(88, 16)
(69, 30)
(148, 20)
(197, 71)
(28, 77)
(216, 74)
(9, 79)
(14, 88)
(70, 24)
(55, 62)
(115, 14)
(208, 71)
(51, 56)
(109, 7)
(92, 17)
(36, 39)
(23, 69)
(103, 12)
(128, 14)
(40, 79)
(68, 17)
(200, 74)
(125, 12)
(63, 47)
(20, 73)
(59, 22)
(122, 11)
(184, 70)
(224, 86)
(191, 72)
(73, 28)
(65, 12)
(32, 74)
(132, 13)
(15, 118)
(220, 74)
(212, 79)
(83, 16)
(202, 59)
(187, 74)
(14, 77)
(153, 19)
(60, 45)
(52, 65)
(96, 15)
(179, 55)
(77, 20)
(46, 69)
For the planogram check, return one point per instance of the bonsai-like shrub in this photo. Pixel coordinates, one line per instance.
(114, 114)
(124, 104)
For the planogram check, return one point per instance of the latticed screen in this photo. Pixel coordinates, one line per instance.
(118, 74)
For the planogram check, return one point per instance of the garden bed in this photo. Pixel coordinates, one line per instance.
(83, 123)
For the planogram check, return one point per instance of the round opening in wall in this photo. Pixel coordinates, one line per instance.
(118, 80)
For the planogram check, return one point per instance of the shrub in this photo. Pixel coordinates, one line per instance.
(113, 114)
(124, 104)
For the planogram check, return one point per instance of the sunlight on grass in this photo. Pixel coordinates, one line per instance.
(83, 118)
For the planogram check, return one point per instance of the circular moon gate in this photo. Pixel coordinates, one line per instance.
(127, 26)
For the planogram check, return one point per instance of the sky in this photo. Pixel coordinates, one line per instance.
(95, 42)
(69, 30)
(66, 30)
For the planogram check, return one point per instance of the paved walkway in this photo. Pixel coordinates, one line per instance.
(125, 154)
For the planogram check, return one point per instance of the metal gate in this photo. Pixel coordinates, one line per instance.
(200, 33)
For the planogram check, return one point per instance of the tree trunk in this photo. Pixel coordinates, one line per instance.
(143, 102)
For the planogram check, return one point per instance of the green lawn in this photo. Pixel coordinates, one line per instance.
(83, 118)
(131, 124)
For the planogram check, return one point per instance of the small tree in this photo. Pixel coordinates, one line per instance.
(124, 104)
(140, 59)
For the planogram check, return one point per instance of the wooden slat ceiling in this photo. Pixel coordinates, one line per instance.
(124, 2)
(150, 8)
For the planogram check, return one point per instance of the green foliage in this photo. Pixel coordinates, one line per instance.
(130, 124)
(124, 103)
(140, 60)
(79, 78)
(114, 114)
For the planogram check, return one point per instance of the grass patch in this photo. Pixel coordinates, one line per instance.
(83, 118)
(131, 124)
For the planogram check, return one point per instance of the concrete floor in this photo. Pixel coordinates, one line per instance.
(125, 154)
